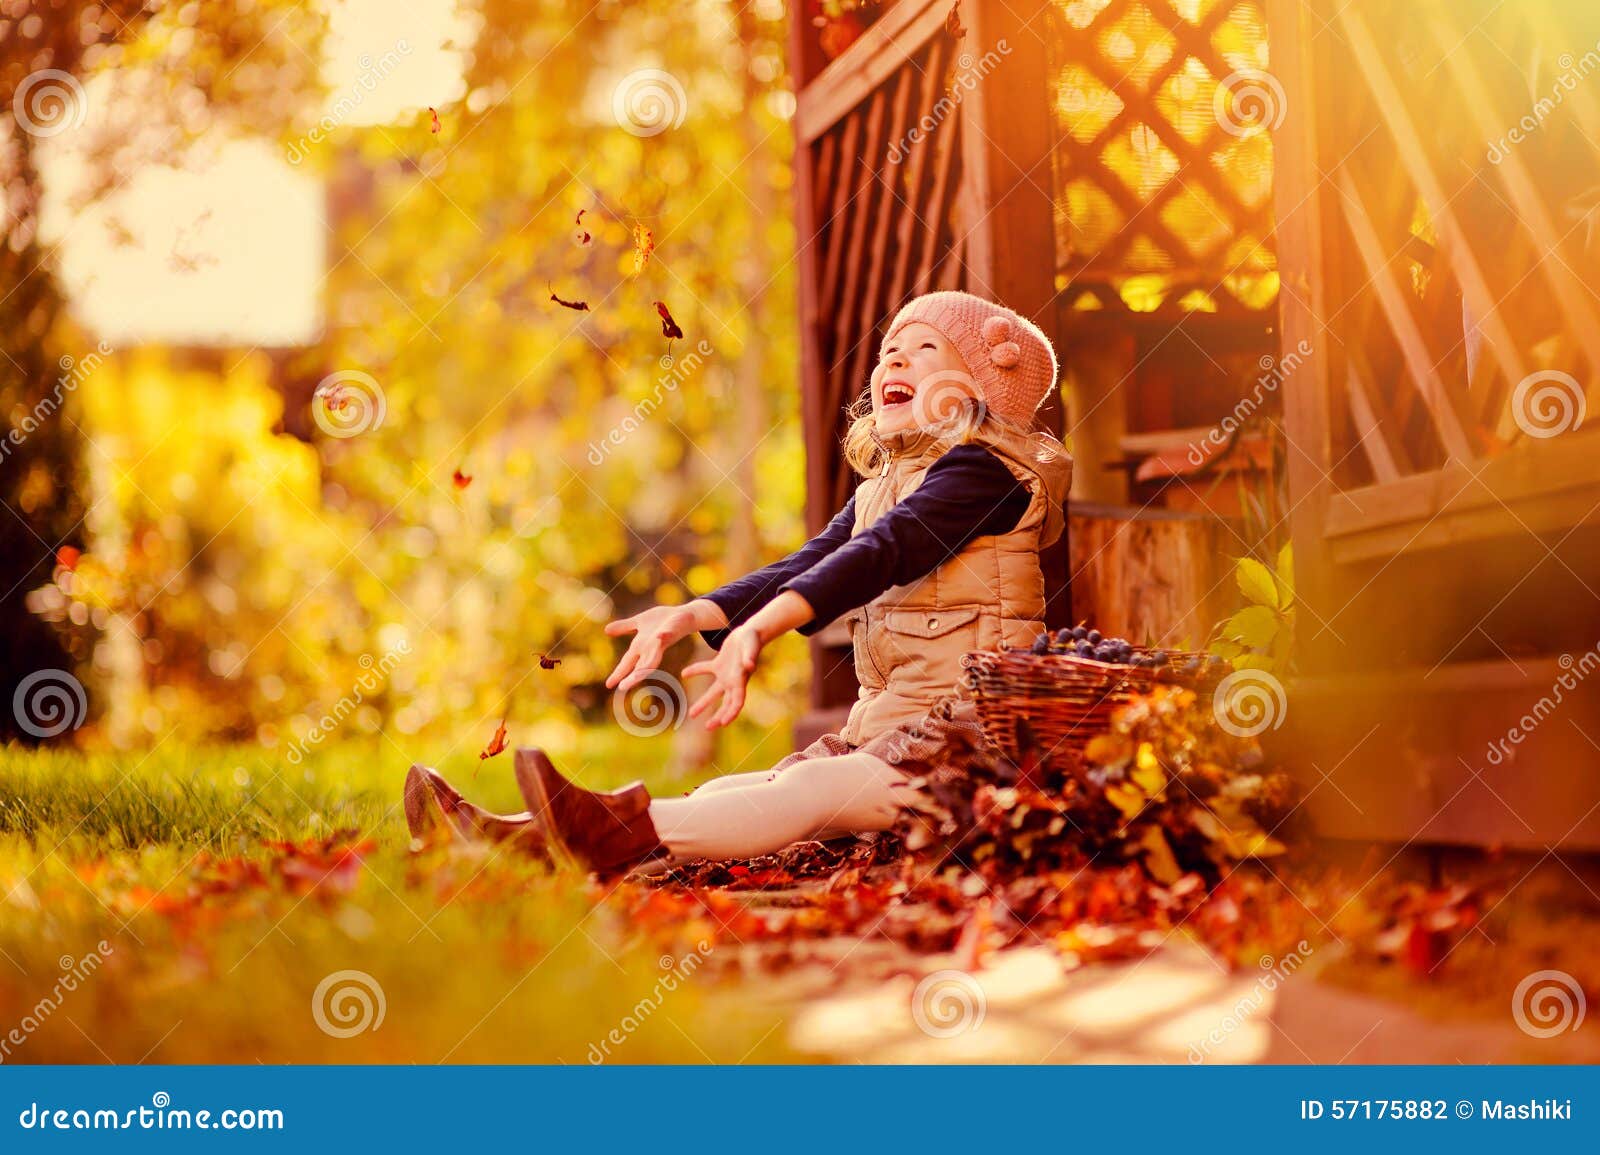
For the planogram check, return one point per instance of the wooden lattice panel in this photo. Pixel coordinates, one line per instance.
(1164, 156)
(883, 202)
(1460, 263)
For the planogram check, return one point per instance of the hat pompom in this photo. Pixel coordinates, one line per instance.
(996, 330)
(1006, 354)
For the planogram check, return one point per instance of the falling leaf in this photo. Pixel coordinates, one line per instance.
(332, 396)
(644, 243)
(669, 327)
(435, 126)
(546, 662)
(497, 744)
(462, 480)
(581, 306)
(952, 22)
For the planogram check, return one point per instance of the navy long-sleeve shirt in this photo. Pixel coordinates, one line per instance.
(967, 493)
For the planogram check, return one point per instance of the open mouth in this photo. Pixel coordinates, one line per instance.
(897, 393)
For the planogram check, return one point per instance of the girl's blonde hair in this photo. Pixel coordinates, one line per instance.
(865, 452)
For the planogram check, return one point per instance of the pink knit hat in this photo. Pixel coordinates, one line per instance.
(1009, 357)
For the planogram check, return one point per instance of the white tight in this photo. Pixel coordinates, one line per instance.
(743, 815)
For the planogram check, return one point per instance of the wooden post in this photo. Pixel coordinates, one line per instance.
(1008, 140)
(1302, 312)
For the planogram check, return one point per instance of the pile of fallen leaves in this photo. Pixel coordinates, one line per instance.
(1158, 830)
(1167, 786)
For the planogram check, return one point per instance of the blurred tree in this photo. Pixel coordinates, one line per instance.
(238, 56)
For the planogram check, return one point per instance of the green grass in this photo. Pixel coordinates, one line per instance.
(213, 955)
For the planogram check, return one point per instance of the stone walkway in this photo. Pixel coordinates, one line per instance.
(1177, 1005)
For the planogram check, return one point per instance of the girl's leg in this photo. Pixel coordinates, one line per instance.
(731, 782)
(848, 792)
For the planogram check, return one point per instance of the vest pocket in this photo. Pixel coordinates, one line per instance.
(933, 622)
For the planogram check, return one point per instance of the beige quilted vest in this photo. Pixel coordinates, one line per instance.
(908, 641)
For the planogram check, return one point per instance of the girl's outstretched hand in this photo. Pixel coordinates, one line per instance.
(730, 669)
(654, 630)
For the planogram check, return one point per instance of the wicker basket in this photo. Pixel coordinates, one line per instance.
(1065, 699)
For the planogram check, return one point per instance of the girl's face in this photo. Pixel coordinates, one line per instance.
(920, 380)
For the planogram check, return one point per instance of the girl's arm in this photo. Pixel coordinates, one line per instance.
(966, 494)
(738, 600)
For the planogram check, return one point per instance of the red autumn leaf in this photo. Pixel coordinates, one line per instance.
(462, 480)
(644, 243)
(546, 662)
(67, 557)
(581, 306)
(669, 327)
(952, 22)
(497, 744)
(435, 115)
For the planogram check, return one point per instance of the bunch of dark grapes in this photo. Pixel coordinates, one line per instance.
(1082, 642)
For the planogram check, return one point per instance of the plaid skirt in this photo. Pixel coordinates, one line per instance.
(920, 739)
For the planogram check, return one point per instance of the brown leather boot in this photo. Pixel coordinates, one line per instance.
(435, 810)
(607, 833)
